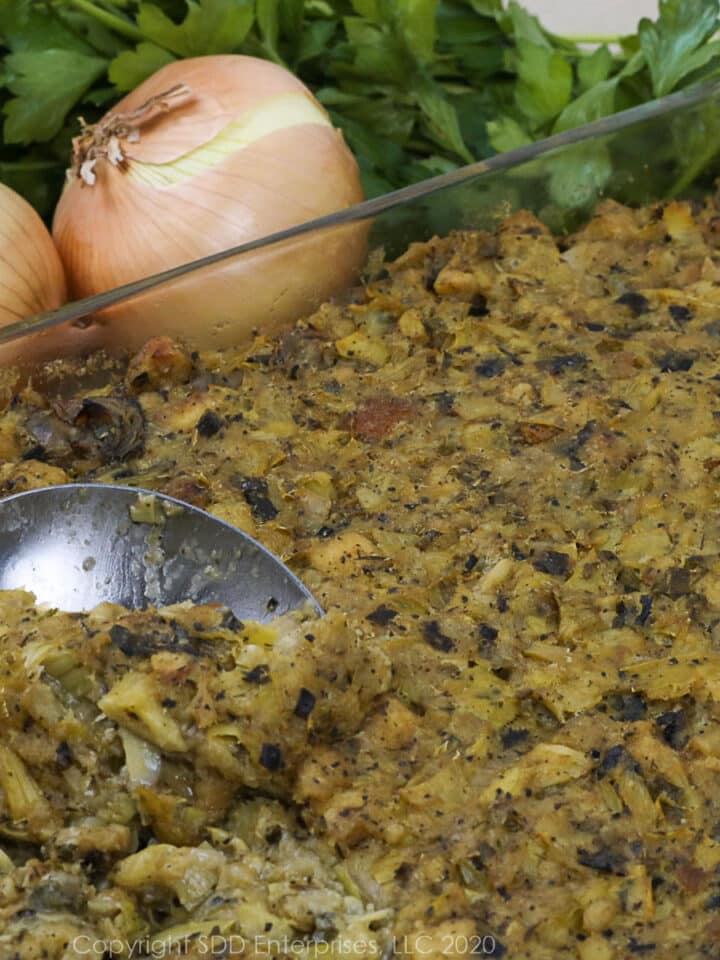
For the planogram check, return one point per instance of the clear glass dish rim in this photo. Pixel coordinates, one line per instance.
(368, 209)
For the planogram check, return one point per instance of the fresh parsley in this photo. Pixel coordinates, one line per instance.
(679, 43)
(46, 85)
(417, 86)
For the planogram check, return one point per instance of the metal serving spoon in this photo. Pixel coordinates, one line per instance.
(79, 544)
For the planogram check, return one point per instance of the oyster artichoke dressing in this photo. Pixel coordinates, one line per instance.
(496, 467)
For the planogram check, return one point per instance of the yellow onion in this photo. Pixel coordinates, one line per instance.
(31, 281)
(206, 154)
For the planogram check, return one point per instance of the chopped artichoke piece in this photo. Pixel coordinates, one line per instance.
(24, 798)
(637, 799)
(47, 654)
(133, 704)
(143, 761)
(173, 819)
(90, 839)
(545, 765)
(190, 873)
(360, 346)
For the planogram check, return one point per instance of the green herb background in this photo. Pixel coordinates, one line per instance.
(418, 86)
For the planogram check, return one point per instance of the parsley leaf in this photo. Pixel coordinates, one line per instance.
(314, 40)
(579, 175)
(211, 26)
(377, 56)
(544, 82)
(595, 68)
(442, 120)
(267, 15)
(506, 134)
(598, 101)
(131, 67)
(523, 27)
(416, 19)
(46, 85)
(28, 27)
(370, 9)
(673, 46)
(487, 8)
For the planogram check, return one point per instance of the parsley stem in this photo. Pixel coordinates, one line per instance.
(113, 21)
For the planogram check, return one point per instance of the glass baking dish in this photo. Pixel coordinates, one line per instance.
(660, 150)
(511, 524)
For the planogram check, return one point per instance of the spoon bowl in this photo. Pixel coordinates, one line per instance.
(80, 544)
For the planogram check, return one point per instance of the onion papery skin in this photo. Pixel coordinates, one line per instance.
(250, 152)
(32, 281)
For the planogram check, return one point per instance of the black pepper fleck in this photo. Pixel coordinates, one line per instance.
(271, 757)
(634, 946)
(604, 860)
(445, 401)
(680, 313)
(673, 727)
(305, 703)
(675, 362)
(434, 636)
(512, 737)
(492, 367)
(646, 602)
(611, 759)
(382, 615)
(274, 834)
(628, 707)
(64, 755)
(259, 674)
(563, 362)
(478, 306)
(635, 302)
(495, 948)
(553, 562)
(256, 494)
(209, 424)
(487, 633)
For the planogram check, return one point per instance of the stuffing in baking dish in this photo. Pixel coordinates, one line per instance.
(496, 464)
